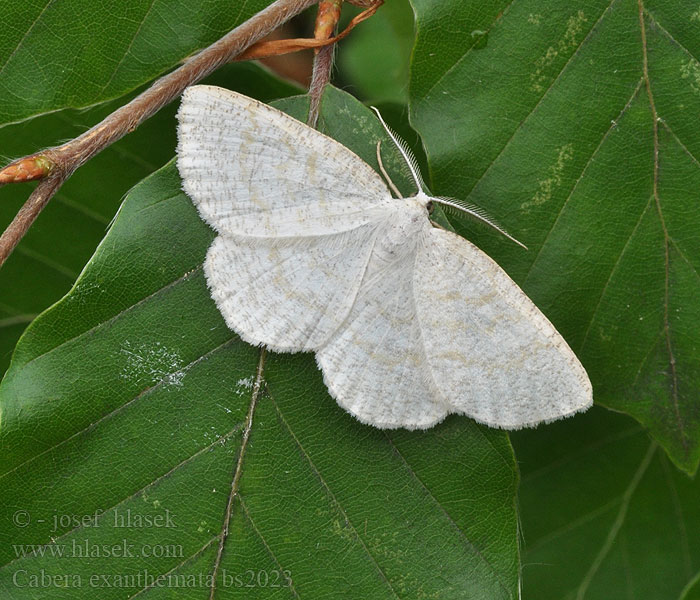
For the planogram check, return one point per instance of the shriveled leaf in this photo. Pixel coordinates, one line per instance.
(604, 513)
(47, 261)
(132, 395)
(575, 125)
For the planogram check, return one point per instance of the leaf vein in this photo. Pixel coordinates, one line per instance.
(46, 261)
(647, 356)
(572, 525)
(223, 535)
(539, 102)
(450, 520)
(612, 272)
(469, 50)
(121, 407)
(580, 177)
(133, 495)
(667, 33)
(681, 144)
(617, 523)
(678, 512)
(17, 320)
(685, 258)
(332, 496)
(264, 541)
(120, 314)
(667, 239)
(24, 37)
(128, 49)
(182, 563)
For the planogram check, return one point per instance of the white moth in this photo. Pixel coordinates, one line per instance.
(409, 323)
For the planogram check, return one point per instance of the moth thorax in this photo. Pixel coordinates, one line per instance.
(401, 239)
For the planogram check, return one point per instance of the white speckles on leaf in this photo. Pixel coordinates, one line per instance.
(212, 436)
(244, 386)
(247, 383)
(83, 291)
(152, 363)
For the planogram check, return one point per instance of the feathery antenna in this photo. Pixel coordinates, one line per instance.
(476, 212)
(405, 151)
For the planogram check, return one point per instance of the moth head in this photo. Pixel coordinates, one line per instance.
(425, 201)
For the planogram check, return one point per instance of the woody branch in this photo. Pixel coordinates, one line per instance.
(55, 165)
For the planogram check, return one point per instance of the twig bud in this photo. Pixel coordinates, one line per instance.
(26, 169)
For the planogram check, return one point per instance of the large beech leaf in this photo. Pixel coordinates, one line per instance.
(575, 124)
(131, 394)
(58, 54)
(48, 259)
(604, 513)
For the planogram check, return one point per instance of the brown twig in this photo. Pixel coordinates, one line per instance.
(62, 161)
(326, 21)
(321, 75)
(31, 209)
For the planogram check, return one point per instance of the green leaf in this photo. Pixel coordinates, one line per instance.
(58, 54)
(692, 590)
(47, 261)
(131, 394)
(49, 258)
(551, 122)
(604, 513)
(374, 60)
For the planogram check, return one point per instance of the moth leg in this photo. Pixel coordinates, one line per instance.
(384, 173)
(436, 224)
